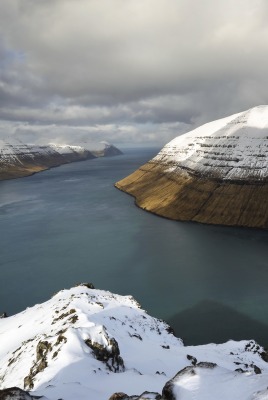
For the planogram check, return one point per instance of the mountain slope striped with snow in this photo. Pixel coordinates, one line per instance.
(232, 148)
(18, 159)
(217, 173)
(86, 343)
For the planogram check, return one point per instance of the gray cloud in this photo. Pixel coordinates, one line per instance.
(132, 70)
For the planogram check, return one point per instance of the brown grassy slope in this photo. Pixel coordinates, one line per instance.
(29, 165)
(181, 196)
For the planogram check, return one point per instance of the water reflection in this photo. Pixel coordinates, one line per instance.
(211, 321)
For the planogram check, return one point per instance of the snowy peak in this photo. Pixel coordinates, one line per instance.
(232, 148)
(66, 149)
(86, 343)
(79, 332)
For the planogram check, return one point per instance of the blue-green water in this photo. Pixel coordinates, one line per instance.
(70, 225)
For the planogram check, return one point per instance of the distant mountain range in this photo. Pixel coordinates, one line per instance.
(215, 174)
(18, 159)
(86, 343)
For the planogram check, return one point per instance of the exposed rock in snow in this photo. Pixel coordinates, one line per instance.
(15, 393)
(86, 343)
(144, 396)
(217, 173)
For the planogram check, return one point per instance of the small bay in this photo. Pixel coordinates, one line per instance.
(69, 225)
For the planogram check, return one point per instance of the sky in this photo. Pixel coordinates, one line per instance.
(133, 72)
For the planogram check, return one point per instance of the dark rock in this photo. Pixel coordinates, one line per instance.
(167, 392)
(144, 396)
(73, 319)
(4, 315)
(16, 393)
(88, 285)
(136, 335)
(61, 338)
(204, 364)
(149, 396)
(254, 347)
(192, 359)
(239, 370)
(257, 370)
(264, 355)
(42, 350)
(170, 330)
(109, 354)
(119, 396)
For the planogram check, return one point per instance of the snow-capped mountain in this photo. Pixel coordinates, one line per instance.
(217, 173)
(19, 159)
(86, 343)
(232, 148)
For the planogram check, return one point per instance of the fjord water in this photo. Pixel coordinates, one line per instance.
(70, 225)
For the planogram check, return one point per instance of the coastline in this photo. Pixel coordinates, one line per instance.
(182, 196)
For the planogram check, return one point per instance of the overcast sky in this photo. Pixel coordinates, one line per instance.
(140, 71)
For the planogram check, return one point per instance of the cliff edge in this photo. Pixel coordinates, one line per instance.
(215, 174)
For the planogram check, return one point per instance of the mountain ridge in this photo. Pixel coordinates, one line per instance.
(18, 159)
(88, 343)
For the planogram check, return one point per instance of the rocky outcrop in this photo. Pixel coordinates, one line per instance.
(144, 396)
(16, 393)
(42, 349)
(108, 353)
(216, 174)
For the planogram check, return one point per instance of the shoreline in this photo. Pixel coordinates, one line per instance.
(180, 196)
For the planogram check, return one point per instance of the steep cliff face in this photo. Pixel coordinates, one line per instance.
(86, 343)
(216, 174)
(18, 159)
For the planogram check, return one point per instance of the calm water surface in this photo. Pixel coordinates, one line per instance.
(70, 225)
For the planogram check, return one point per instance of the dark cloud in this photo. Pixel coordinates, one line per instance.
(141, 67)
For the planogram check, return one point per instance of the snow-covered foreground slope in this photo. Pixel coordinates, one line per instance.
(88, 344)
(215, 174)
